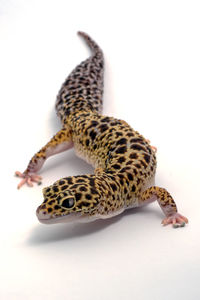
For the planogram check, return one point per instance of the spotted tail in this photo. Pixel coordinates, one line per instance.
(83, 88)
(91, 43)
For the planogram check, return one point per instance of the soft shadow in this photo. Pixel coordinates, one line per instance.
(71, 161)
(68, 157)
(145, 210)
(43, 234)
(54, 121)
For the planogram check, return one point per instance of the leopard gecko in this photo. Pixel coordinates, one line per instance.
(124, 161)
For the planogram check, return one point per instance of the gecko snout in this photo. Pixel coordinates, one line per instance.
(42, 214)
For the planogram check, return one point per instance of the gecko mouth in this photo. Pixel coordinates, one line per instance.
(47, 218)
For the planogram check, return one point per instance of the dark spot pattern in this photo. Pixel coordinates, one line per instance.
(122, 141)
(121, 150)
(121, 159)
(93, 135)
(78, 196)
(116, 166)
(130, 176)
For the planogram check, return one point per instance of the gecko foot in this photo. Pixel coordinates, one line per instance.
(177, 220)
(28, 178)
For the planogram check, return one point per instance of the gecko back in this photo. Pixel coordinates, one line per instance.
(83, 88)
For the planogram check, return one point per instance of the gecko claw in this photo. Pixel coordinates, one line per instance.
(176, 225)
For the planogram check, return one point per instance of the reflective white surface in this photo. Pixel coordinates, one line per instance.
(152, 81)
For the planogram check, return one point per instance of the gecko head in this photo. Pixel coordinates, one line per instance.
(67, 200)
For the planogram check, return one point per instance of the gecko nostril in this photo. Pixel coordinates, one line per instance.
(42, 214)
(39, 210)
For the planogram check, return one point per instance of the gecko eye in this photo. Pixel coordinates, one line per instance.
(68, 202)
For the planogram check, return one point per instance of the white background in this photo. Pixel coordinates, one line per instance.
(152, 77)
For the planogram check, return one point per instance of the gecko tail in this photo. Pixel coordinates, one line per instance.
(83, 88)
(91, 43)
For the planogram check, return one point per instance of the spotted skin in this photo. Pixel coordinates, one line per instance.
(124, 161)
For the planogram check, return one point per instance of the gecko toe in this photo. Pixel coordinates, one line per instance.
(177, 220)
(28, 179)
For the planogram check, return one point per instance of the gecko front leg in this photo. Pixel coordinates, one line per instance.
(167, 205)
(60, 142)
